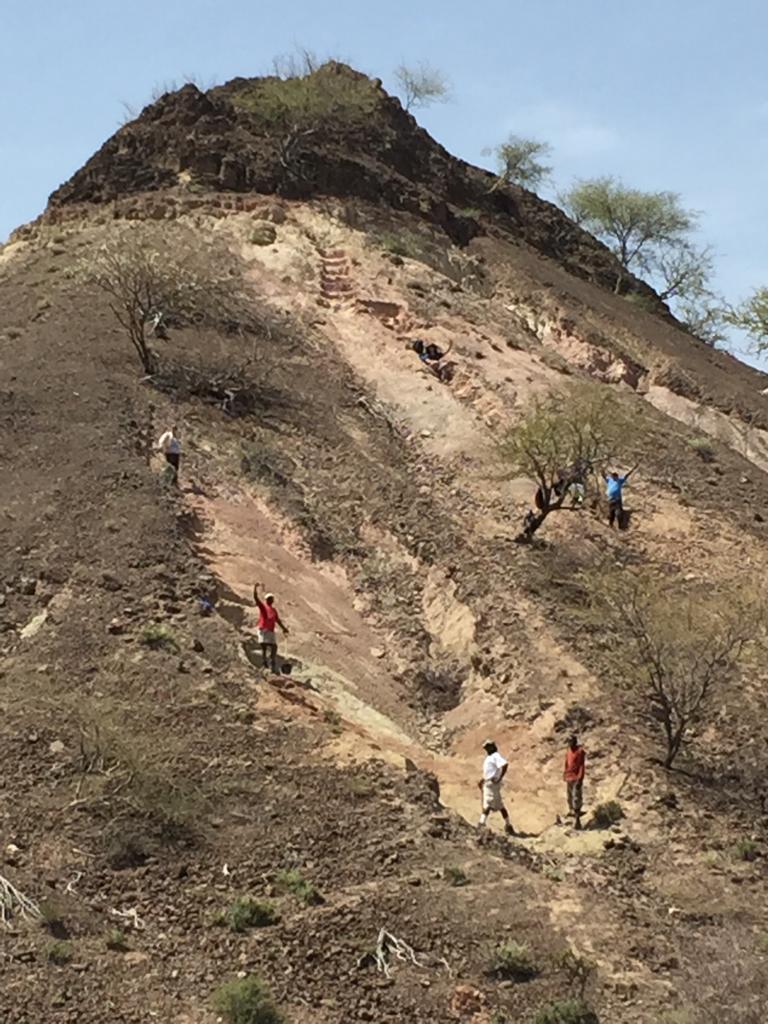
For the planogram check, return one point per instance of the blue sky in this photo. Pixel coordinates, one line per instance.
(667, 94)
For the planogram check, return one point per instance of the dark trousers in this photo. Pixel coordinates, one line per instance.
(615, 509)
(173, 459)
(575, 795)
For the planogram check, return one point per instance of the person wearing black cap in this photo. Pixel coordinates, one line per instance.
(494, 770)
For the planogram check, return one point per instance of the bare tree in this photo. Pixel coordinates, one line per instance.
(301, 62)
(683, 272)
(157, 277)
(686, 645)
(421, 85)
(160, 89)
(705, 317)
(557, 446)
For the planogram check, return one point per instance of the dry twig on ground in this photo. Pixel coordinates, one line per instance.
(389, 946)
(12, 901)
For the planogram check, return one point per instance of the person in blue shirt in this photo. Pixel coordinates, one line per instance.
(431, 356)
(613, 488)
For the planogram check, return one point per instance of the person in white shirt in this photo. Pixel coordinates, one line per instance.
(494, 770)
(170, 446)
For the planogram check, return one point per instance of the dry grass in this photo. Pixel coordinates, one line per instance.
(727, 979)
(122, 767)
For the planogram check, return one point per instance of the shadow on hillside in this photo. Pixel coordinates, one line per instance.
(233, 391)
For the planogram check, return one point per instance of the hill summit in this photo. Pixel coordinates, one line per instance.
(333, 132)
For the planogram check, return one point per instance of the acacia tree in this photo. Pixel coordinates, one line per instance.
(557, 446)
(519, 162)
(635, 225)
(150, 272)
(421, 85)
(686, 646)
(752, 316)
(649, 233)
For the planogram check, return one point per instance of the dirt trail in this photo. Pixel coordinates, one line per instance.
(244, 543)
(340, 667)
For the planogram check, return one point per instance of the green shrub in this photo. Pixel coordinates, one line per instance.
(263, 234)
(399, 245)
(455, 876)
(360, 788)
(512, 961)
(116, 941)
(291, 880)
(59, 953)
(553, 873)
(703, 448)
(247, 1001)
(566, 1011)
(247, 912)
(746, 849)
(320, 98)
(607, 814)
(159, 636)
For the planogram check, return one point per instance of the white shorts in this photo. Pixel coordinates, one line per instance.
(492, 796)
(267, 636)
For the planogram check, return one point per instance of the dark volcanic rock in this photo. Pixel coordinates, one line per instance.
(255, 136)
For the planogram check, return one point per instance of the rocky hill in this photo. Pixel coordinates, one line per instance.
(179, 817)
(336, 133)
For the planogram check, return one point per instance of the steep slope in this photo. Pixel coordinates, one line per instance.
(154, 773)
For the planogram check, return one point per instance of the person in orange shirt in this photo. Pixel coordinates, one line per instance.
(575, 760)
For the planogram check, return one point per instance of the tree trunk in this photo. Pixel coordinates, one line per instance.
(674, 742)
(531, 526)
(147, 357)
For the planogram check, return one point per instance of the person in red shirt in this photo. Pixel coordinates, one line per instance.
(269, 617)
(575, 758)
